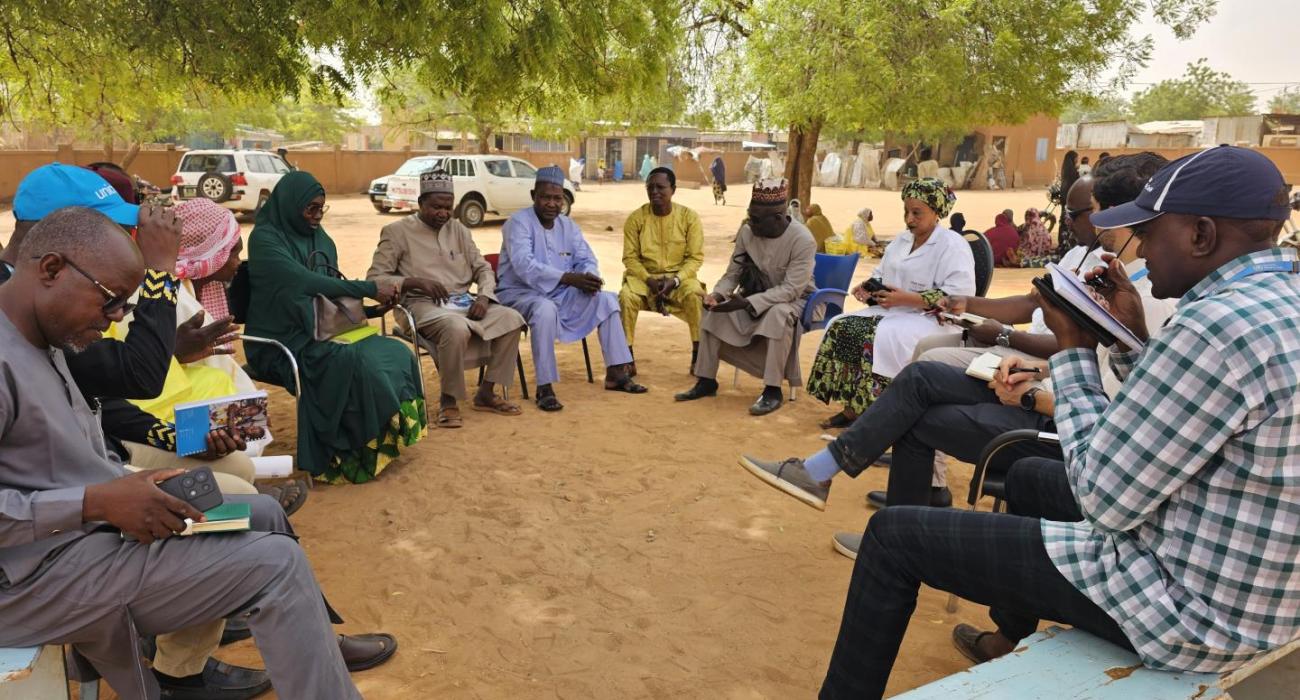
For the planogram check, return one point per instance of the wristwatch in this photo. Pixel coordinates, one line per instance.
(1004, 336)
(1027, 399)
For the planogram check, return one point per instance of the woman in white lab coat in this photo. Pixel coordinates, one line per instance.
(863, 350)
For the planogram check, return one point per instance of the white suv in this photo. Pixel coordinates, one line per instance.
(484, 184)
(239, 180)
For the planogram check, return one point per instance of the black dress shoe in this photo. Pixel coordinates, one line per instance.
(940, 497)
(765, 404)
(701, 389)
(363, 651)
(236, 631)
(219, 681)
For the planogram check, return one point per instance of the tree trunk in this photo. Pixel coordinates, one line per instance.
(108, 149)
(484, 138)
(131, 153)
(800, 165)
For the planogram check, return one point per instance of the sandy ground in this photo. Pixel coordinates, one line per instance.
(616, 549)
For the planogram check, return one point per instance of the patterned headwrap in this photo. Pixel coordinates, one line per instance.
(933, 192)
(208, 233)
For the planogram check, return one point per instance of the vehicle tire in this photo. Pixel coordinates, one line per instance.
(382, 209)
(215, 186)
(568, 203)
(471, 213)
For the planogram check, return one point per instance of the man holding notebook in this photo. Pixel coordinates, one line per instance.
(1188, 481)
(86, 550)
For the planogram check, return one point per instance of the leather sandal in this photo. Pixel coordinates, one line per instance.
(625, 384)
(365, 651)
(498, 406)
(448, 417)
(549, 403)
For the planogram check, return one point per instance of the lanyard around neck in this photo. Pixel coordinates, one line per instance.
(1292, 267)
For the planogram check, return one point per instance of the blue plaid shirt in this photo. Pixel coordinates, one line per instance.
(1189, 481)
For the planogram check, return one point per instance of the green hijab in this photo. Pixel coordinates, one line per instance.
(282, 214)
(283, 210)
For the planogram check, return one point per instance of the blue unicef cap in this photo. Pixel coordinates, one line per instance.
(1225, 181)
(56, 186)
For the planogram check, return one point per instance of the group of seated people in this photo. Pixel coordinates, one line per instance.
(1164, 521)
(103, 305)
(1027, 245)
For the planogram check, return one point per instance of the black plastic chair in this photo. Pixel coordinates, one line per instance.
(983, 252)
(990, 477)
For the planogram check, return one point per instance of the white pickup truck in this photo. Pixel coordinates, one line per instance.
(484, 184)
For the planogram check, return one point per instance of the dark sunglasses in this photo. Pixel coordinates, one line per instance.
(113, 303)
(1076, 213)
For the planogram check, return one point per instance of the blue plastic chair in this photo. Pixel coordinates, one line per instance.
(832, 275)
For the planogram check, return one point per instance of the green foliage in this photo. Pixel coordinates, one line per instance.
(1096, 109)
(1285, 102)
(125, 69)
(1201, 92)
(560, 66)
(927, 69)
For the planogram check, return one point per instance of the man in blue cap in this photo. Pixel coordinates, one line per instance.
(55, 186)
(1170, 529)
(548, 273)
(136, 368)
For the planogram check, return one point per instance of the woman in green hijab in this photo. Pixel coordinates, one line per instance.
(362, 401)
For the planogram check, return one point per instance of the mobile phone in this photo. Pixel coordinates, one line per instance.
(874, 285)
(197, 487)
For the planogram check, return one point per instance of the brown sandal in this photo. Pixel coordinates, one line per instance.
(448, 417)
(499, 406)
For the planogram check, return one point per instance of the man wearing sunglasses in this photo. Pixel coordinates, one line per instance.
(85, 552)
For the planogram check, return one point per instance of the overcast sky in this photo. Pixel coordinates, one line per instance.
(1255, 41)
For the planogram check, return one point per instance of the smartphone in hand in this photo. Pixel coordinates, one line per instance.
(197, 487)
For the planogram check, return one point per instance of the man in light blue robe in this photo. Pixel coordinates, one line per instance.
(548, 274)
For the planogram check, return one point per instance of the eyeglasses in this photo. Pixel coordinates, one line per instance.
(1076, 213)
(316, 209)
(113, 303)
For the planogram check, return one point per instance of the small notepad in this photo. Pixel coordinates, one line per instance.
(984, 367)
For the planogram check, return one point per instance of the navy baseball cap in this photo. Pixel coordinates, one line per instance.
(56, 186)
(1226, 181)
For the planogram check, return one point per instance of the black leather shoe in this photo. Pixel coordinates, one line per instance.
(940, 497)
(765, 404)
(701, 389)
(363, 651)
(236, 631)
(219, 681)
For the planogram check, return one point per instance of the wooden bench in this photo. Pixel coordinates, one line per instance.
(1069, 664)
(38, 673)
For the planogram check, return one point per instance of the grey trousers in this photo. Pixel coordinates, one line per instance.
(774, 355)
(457, 349)
(101, 593)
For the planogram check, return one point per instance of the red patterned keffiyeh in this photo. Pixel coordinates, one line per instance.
(208, 234)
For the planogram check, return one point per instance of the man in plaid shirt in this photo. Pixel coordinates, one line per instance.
(1186, 487)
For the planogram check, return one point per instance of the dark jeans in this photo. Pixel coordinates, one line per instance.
(929, 406)
(987, 558)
